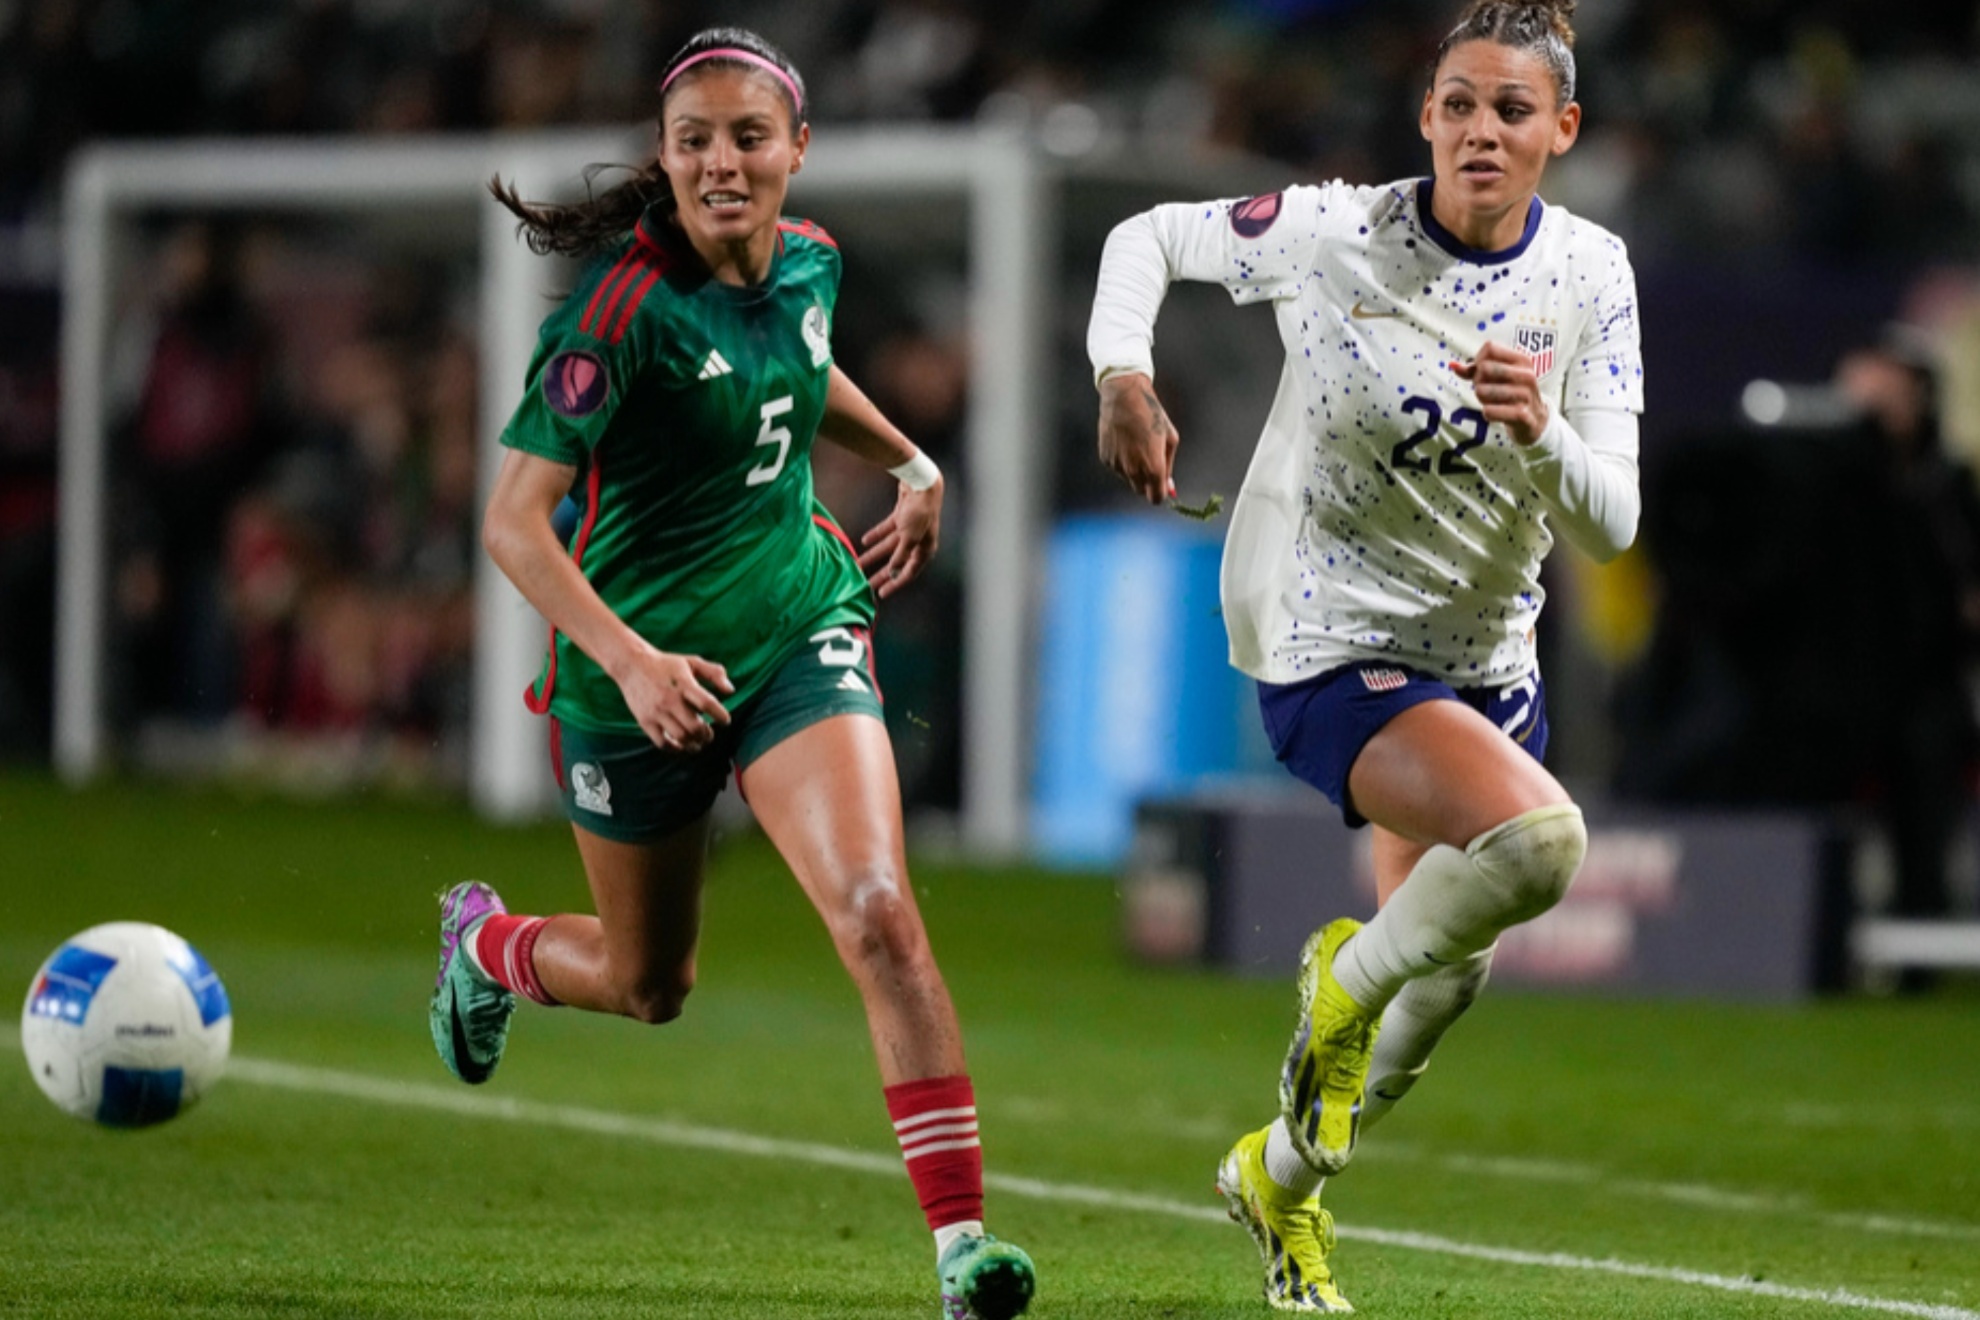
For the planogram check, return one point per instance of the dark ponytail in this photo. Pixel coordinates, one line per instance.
(1544, 27)
(577, 229)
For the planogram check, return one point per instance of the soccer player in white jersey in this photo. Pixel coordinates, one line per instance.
(1462, 380)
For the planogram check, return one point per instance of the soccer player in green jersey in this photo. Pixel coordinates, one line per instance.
(708, 612)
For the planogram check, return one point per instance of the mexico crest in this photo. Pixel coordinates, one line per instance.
(817, 335)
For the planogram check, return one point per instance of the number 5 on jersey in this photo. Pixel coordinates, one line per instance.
(771, 434)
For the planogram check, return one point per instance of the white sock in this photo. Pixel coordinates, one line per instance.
(1414, 1022)
(948, 1233)
(1455, 903)
(1285, 1166)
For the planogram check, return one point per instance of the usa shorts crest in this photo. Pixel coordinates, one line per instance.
(1319, 725)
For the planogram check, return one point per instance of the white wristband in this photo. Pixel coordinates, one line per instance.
(918, 473)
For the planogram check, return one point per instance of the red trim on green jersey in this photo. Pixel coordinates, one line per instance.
(838, 533)
(653, 273)
(609, 314)
(807, 229)
(621, 270)
(865, 635)
(539, 703)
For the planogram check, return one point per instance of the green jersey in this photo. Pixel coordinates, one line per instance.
(690, 407)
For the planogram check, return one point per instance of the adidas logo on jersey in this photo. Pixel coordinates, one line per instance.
(852, 682)
(716, 365)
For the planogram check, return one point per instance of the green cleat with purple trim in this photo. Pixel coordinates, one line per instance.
(984, 1279)
(469, 1013)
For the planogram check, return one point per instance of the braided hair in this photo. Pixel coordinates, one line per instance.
(1543, 27)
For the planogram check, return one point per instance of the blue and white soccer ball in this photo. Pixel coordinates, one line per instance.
(126, 1025)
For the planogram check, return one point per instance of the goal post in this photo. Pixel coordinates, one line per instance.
(994, 177)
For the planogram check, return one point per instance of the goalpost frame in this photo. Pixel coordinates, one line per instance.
(1010, 246)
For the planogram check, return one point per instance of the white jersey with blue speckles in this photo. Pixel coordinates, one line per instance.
(1382, 517)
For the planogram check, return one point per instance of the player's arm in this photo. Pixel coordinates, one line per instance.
(1137, 440)
(896, 549)
(1242, 244)
(1584, 466)
(668, 694)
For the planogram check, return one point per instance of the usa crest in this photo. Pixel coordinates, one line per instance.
(1383, 680)
(1538, 342)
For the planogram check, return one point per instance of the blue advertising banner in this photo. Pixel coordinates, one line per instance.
(1135, 695)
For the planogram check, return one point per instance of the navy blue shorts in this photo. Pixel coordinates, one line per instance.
(1319, 725)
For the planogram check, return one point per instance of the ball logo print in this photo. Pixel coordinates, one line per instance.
(126, 1025)
(575, 383)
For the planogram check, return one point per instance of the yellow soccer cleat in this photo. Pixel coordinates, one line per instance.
(1294, 1235)
(1326, 1069)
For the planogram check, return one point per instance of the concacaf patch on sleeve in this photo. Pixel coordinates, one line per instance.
(575, 383)
(1254, 215)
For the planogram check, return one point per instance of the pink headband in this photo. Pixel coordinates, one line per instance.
(747, 57)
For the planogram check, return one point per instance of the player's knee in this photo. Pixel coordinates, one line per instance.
(878, 926)
(1532, 858)
(657, 999)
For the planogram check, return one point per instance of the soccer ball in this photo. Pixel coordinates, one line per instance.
(125, 1024)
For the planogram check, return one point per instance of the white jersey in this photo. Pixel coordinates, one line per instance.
(1382, 517)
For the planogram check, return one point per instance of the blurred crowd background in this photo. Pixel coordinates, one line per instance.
(1799, 184)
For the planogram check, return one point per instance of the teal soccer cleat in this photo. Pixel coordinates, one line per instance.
(1320, 1090)
(469, 1013)
(984, 1279)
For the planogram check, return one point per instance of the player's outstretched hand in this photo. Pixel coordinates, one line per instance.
(1508, 391)
(895, 550)
(673, 698)
(1137, 439)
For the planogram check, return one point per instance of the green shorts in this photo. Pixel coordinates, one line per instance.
(622, 787)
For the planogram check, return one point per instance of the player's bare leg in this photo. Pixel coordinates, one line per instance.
(637, 956)
(829, 798)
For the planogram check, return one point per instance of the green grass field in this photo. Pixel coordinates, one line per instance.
(1565, 1158)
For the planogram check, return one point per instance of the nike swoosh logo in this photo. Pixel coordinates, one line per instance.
(471, 1071)
(1362, 312)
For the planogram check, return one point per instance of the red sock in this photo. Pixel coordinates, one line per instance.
(935, 1120)
(505, 946)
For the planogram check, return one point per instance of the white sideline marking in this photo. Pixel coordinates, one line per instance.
(667, 1132)
(1698, 1194)
(473, 1104)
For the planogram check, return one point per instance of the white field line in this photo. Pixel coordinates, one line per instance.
(1698, 1194)
(474, 1104)
(666, 1132)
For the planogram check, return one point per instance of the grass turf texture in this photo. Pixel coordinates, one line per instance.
(1729, 1140)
